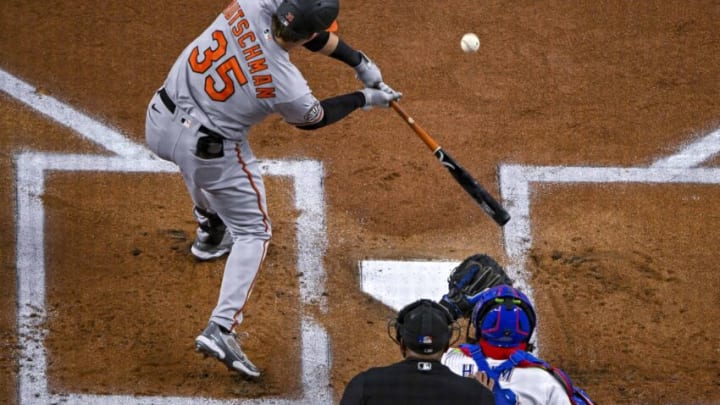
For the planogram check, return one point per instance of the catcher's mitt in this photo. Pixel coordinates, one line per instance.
(466, 281)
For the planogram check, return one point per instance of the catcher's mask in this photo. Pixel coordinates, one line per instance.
(305, 17)
(424, 326)
(503, 317)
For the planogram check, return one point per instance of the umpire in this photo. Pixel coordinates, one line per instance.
(423, 330)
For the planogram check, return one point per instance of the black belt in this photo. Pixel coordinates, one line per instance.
(170, 105)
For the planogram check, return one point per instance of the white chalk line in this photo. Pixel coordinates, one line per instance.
(31, 169)
(63, 114)
(693, 154)
(515, 189)
(427, 279)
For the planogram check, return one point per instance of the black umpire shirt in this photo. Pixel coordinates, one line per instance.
(414, 381)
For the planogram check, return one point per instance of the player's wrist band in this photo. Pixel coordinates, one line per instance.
(345, 53)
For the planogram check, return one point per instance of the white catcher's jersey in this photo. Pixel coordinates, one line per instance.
(531, 385)
(234, 74)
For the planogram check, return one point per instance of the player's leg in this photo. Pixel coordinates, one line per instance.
(236, 191)
(212, 239)
(243, 208)
(219, 338)
(239, 199)
(163, 131)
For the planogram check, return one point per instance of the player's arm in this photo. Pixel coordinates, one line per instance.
(308, 113)
(324, 42)
(334, 109)
(328, 43)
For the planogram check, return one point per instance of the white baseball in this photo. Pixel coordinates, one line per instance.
(470, 43)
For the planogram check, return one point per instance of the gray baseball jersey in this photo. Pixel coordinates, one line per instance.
(230, 77)
(234, 74)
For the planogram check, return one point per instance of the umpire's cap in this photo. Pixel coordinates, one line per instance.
(305, 17)
(424, 326)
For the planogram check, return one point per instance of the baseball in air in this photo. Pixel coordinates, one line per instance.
(470, 43)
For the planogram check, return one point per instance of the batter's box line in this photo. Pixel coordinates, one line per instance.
(31, 169)
(423, 279)
(515, 187)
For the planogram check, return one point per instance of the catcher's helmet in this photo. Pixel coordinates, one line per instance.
(305, 17)
(424, 326)
(504, 317)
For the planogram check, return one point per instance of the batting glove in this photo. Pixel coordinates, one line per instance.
(368, 72)
(379, 97)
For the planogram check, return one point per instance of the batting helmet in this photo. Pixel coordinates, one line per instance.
(305, 17)
(503, 317)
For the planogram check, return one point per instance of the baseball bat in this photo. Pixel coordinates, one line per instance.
(471, 186)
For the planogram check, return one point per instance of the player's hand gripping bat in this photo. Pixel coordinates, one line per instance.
(471, 186)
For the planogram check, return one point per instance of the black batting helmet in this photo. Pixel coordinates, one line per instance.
(305, 17)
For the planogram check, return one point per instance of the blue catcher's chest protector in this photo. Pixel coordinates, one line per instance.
(523, 359)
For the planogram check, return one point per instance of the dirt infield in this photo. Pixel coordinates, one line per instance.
(607, 111)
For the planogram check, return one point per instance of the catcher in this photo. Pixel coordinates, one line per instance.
(503, 321)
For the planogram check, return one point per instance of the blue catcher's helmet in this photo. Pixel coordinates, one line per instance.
(503, 317)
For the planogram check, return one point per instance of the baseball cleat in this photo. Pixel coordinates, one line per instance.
(203, 248)
(224, 347)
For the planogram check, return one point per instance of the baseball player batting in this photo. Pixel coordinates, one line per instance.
(233, 75)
